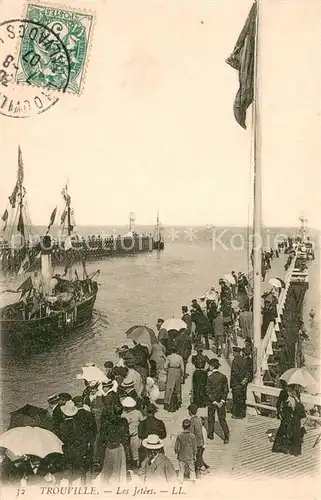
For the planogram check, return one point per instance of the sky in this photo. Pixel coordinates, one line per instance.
(154, 126)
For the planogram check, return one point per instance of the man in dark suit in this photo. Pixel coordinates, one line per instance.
(151, 425)
(240, 377)
(217, 391)
(184, 346)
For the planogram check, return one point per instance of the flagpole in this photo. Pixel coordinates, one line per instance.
(257, 209)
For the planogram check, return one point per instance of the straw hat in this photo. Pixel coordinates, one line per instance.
(69, 409)
(128, 402)
(128, 383)
(152, 442)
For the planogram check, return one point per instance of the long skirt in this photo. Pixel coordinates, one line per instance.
(114, 468)
(173, 390)
(199, 394)
(288, 438)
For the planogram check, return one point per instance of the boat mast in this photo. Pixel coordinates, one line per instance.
(20, 226)
(257, 209)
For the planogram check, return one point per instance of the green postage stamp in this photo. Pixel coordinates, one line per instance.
(37, 62)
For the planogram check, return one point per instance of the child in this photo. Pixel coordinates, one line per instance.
(133, 417)
(204, 432)
(196, 429)
(186, 451)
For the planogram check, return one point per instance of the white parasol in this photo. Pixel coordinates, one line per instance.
(31, 441)
(299, 376)
(91, 374)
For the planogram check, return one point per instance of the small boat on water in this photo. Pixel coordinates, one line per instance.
(50, 305)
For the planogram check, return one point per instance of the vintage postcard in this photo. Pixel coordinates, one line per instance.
(160, 249)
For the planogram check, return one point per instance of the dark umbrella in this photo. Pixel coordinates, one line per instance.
(31, 415)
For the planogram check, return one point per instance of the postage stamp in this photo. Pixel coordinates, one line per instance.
(16, 38)
(37, 64)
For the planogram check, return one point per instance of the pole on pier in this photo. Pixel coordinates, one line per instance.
(257, 209)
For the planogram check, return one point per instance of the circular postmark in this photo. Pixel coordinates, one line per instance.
(34, 68)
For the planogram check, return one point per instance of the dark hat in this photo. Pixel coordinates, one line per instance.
(184, 308)
(77, 400)
(108, 364)
(151, 408)
(160, 320)
(53, 399)
(236, 348)
(215, 363)
(64, 396)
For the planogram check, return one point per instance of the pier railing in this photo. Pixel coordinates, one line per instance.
(293, 275)
(310, 402)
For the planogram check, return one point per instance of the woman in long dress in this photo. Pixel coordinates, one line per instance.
(288, 439)
(174, 366)
(116, 433)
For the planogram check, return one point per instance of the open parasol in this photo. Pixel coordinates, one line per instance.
(299, 376)
(142, 334)
(31, 441)
(174, 324)
(29, 415)
(92, 374)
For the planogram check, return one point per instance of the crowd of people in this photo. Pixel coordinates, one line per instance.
(110, 432)
(111, 429)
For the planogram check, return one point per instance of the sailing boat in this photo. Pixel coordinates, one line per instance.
(50, 305)
(158, 239)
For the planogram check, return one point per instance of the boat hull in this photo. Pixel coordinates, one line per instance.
(22, 332)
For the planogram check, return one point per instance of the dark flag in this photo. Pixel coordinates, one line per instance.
(25, 265)
(52, 218)
(25, 286)
(242, 59)
(5, 215)
(13, 197)
(63, 217)
(21, 225)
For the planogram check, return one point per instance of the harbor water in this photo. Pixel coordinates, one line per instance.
(134, 289)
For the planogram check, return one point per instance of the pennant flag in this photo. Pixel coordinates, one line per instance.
(21, 225)
(25, 264)
(52, 218)
(63, 217)
(25, 286)
(5, 215)
(273, 336)
(65, 194)
(242, 59)
(269, 349)
(13, 197)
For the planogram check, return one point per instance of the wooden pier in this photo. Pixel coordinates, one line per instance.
(248, 454)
